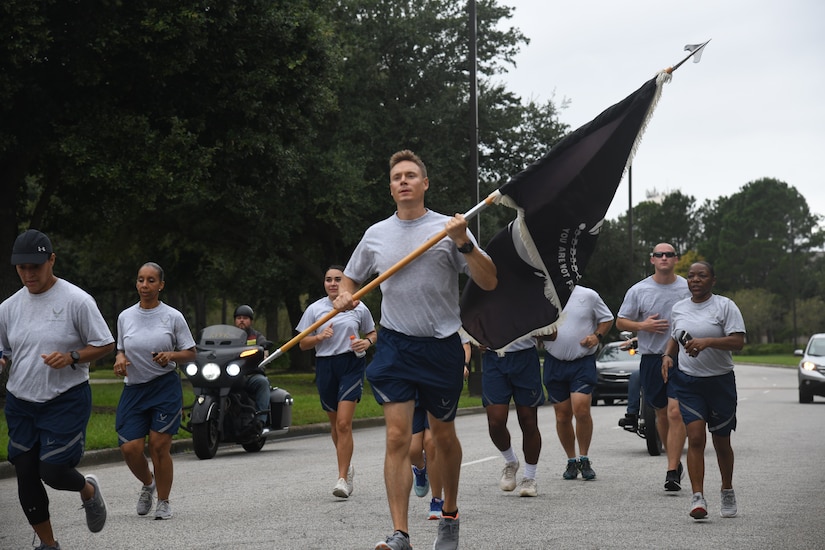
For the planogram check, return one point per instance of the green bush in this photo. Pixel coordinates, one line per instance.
(767, 349)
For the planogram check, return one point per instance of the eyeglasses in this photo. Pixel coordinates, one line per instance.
(665, 254)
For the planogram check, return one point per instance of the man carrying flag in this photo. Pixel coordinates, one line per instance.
(419, 353)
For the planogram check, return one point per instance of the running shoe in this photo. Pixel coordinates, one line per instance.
(95, 507)
(396, 541)
(146, 499)
(435, 508)
(527, 487)
(341, 490)
(351, 478)
(44, 546)
(572, 471)
(728, 509)
(673, 479)
(447, 534)
(586, 469)
(508, 476)
(422, 482)
(698, 506)
(163, 510)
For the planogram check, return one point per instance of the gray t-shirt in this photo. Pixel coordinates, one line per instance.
(584, 311)
(143, 331)
(716, 317)
(64, 318)
(421, 299)
(345, 324)
(646, 298)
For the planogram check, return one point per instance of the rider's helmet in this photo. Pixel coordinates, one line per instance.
(244, 310)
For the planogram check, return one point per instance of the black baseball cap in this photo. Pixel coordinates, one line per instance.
(31, 247)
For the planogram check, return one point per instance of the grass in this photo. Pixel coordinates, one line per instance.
(306, 409)
(786, 360)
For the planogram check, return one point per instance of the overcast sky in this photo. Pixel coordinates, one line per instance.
(753, 107)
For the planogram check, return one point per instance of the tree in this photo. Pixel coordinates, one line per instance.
(758, 236)
(174, 132)
(762, 312)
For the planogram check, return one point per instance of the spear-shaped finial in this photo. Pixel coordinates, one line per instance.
(695, 50)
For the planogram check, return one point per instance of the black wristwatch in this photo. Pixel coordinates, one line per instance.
(75, 359)
(467, 247)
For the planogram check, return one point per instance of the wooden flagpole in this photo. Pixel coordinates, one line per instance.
(379, 279)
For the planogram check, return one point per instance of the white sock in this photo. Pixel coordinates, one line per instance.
(509, 455)
(530, 470)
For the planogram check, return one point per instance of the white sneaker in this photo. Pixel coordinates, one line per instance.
(527, 487)
(728, 509)
(341, 490)
(350, 478)
(163, 510)
(146, 499)
(508, 476)
(698, 506)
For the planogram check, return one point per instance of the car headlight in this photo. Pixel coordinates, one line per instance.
(233, 369)
(808, 365)
(211, 371)
(191, 369)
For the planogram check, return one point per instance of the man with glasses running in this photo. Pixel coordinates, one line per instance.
(646, 311)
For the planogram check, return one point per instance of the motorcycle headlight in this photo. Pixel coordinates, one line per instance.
(191, 369)
(211, 371)
(233, 369)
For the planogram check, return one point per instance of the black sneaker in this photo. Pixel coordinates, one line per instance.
(572, 471)
(673, 479)
(630, 422)
(586, 469)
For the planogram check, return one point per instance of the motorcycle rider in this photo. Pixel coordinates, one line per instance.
(257, 384)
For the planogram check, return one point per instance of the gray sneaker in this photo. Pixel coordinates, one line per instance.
(728, 509)
(698, 506)
(44, 546)
(146, 499)
(447, 538)
(95, 507)
(527, 488)
(508, 476)
(163, 510)
(396, 541)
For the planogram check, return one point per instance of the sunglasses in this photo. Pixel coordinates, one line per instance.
(665, 254)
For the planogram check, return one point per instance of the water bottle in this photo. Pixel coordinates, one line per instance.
(357, 353)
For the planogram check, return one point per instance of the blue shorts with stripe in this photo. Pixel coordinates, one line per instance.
(515, 376)
(561, 378)
(339, 378)
(421, 420)
(155, 405)
(655, 389)
(56, 428)
(711, 399)
(432, 369)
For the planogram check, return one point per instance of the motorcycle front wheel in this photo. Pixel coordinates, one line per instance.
(205, 438)
(254, 446)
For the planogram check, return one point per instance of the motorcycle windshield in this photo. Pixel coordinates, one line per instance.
(223, 335)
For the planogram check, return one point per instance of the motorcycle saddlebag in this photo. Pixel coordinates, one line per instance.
(280, 404)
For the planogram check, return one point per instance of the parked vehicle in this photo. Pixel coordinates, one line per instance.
(614, 366)
(223, 411)
(812, 369)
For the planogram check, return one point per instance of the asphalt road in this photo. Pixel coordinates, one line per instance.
(281, 497)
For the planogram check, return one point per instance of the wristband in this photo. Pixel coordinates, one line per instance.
(599, 336)
(668, 355)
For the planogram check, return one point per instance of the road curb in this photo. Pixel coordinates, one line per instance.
(180, 446)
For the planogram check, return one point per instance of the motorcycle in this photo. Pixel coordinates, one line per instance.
(223, 411)
(643, 424)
